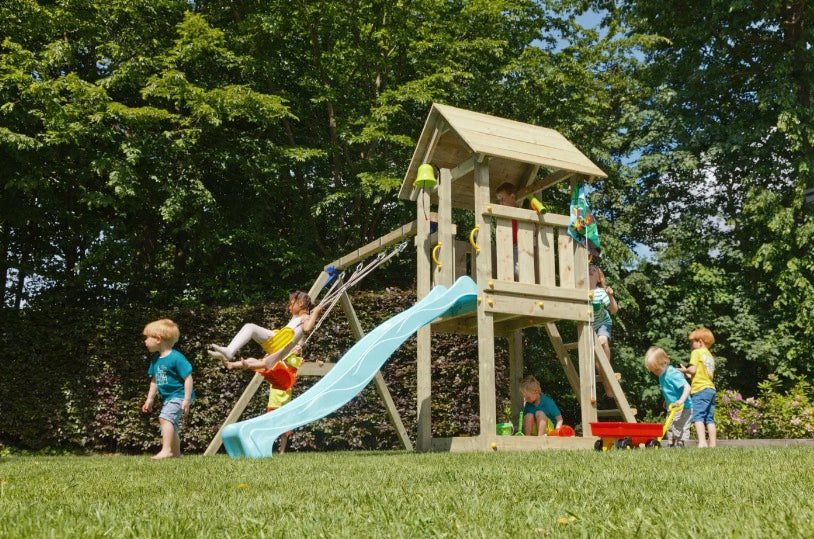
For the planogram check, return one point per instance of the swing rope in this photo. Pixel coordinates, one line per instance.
(340, 285)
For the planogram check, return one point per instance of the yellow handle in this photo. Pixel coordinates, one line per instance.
(472, 238)
(673, 410)
(434, 255)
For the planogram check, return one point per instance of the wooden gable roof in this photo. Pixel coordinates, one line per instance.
(452, 137)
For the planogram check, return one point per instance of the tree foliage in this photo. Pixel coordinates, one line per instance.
(719, 190)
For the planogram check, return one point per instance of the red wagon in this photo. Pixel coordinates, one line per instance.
(623, 435)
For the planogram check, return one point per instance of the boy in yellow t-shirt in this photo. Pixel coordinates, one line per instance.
(702, 390)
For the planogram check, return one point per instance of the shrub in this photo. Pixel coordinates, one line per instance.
(771, 414)
(80, 383)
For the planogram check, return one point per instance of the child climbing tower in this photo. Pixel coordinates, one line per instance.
(532, 273)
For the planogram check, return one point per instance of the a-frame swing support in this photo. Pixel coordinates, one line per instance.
(354, 257)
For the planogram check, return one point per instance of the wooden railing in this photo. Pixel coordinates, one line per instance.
(545, 254)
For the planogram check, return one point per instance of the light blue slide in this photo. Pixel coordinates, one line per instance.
(254, 437)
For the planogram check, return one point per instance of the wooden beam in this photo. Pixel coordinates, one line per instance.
(486, 328)
(374, 247)
(311, 368)
(536, 291)
(424, 335)
(381, 386)
(550, 180)
(528, 177)
(515, 372)
(234, 414)
(510, 443)
(606, 371)
(463, 169)
(587, 380)
(528, 216)
(445, 273)
(529, 306)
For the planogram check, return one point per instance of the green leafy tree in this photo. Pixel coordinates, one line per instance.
(719, 194)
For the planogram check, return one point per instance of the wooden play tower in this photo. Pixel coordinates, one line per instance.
(474, 154)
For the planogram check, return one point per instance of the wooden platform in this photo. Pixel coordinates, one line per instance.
(464, 444)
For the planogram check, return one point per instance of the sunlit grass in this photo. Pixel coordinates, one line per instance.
(747, 492)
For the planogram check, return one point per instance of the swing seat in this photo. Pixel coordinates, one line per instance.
(280, 340)
(282, 374)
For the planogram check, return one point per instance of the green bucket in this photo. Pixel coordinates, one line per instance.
(505, 429)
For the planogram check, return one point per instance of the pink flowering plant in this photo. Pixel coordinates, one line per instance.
(771, 414)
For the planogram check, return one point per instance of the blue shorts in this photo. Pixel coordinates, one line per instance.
(171, 411)
(703, 406)
(604, 331)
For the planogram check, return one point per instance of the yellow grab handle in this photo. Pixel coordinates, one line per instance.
(472, 238)
(434, 255)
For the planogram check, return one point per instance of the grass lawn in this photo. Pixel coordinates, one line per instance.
(745, 492)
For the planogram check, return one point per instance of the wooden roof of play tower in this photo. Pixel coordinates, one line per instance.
(452, 138)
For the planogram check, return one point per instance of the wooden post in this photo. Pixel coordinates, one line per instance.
(515, 372)
(587, 397)
(486, 326)
(254, 384)
(446, 238)
(381, 386)
(424, 335)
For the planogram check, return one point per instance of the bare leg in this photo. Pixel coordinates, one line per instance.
(542, 423)
(713, 434)
(605, 343)
(176, 444)
(249, 332)
(699, 430)
(528, 424)
(167, 436)
(283, 442)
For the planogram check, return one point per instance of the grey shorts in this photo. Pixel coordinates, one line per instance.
(679, 429)
(604, 331)
(171, 411)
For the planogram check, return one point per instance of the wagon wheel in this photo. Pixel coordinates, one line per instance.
(653, 444)
(624, 443)
(598, 445)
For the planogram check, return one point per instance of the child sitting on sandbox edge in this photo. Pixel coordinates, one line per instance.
(540, 412)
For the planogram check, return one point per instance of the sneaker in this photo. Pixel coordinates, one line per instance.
(679, 444)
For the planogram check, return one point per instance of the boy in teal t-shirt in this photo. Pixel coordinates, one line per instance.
(676, 390)
(171, 376)
(540, 410)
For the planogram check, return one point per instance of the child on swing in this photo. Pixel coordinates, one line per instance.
(302, 322)
(278, 366)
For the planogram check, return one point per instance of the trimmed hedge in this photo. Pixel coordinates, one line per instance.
(76, 378)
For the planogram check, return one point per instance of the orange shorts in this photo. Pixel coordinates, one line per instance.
(280, 376)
